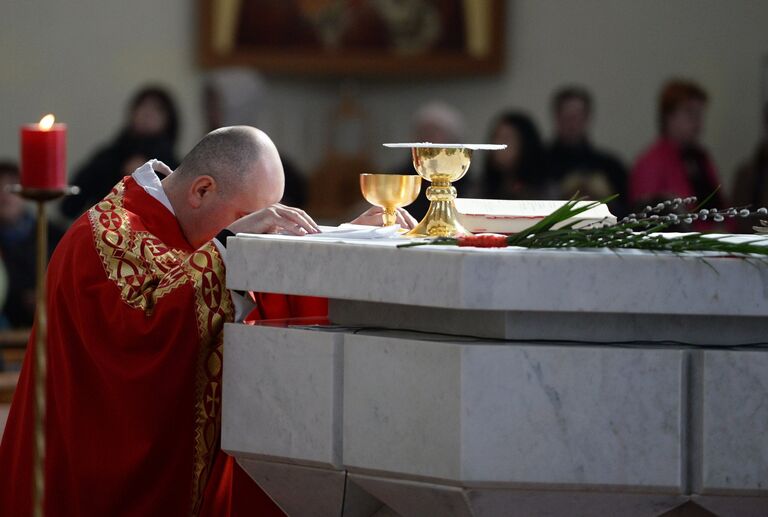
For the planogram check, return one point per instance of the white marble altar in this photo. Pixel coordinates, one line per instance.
(511, 279)
(560, 383)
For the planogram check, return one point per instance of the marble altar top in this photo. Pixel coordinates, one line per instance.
(510, 279)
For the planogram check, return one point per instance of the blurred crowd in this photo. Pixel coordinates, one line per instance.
(675, 163)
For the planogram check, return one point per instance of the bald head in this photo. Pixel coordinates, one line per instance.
(227, 154)
(231, 172)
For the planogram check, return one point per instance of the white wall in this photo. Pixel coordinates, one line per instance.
(83, 59)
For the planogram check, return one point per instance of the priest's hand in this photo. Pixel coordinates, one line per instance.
(375, 217)
(276, 219)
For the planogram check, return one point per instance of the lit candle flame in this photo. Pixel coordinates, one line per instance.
(47, 121)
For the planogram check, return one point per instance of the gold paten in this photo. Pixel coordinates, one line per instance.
(441, 166)
(390, 192)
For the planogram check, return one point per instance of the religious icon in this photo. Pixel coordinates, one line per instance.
(354, 36)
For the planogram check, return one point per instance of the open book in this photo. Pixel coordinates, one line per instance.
(505, 216)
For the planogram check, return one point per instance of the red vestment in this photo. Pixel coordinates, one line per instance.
(135, 319)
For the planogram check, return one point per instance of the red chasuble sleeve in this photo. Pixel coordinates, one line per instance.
(134, 372)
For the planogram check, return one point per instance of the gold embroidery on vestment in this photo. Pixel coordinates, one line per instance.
(145, 270)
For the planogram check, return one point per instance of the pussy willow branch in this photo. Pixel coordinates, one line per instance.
(636, 231)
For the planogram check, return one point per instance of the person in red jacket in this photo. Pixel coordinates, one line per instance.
(677, 164)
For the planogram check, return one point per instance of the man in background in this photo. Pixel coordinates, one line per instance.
(574, 164)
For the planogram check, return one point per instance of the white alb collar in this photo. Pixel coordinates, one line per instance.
(146, 177)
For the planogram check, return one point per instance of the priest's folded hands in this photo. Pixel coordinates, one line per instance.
(284, 219)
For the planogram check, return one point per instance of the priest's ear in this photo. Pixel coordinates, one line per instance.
(200, 190)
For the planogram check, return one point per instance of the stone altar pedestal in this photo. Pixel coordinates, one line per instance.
(500, 382)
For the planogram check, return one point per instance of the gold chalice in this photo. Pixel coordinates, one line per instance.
(390, 192)
(442, 164)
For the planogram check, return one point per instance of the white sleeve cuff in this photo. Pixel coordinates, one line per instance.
(243, 304)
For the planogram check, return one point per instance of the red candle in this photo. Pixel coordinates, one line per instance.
(44, 154)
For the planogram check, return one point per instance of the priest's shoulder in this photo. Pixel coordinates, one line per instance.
(76, 239)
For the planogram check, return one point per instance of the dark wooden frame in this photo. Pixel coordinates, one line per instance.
(352, 63)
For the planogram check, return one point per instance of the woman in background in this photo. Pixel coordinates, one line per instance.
(677, 164)
(150, 131)
(517, 172)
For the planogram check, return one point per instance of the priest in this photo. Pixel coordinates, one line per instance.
(136, 307)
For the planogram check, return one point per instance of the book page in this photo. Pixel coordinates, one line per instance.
(522, 208)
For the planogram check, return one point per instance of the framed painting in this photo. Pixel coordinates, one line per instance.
(354, 37)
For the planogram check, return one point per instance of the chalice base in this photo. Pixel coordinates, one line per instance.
(441, 221)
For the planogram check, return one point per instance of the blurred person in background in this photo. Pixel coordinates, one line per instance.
(574, 164)
(17, 249)
(751, 184)
(677, 164)
(150, 131)
(439, 123)
(519, 171)
(236, 97)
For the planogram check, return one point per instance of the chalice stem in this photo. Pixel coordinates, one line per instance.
(441, 219)
(390, 216)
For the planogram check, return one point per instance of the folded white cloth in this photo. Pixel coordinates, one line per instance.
(357, 231)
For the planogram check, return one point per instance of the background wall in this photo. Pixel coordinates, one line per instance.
(82, 60)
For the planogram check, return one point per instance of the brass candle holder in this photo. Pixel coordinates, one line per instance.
(390, 192)
(441, 165)
(41, 197)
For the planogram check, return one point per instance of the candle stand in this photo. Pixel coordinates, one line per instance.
(41, 196)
